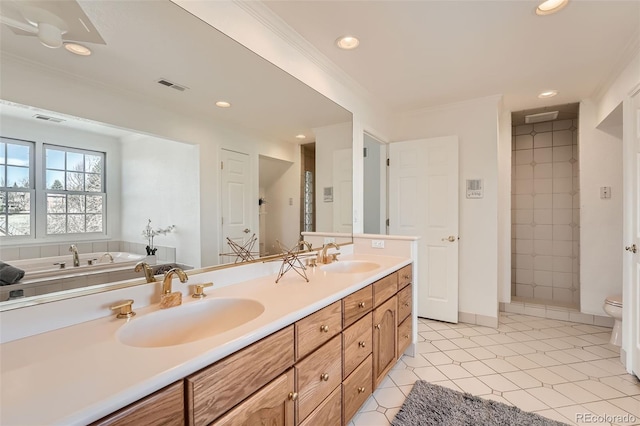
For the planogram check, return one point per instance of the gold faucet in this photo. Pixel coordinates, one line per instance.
(322, 253)
(76, 257)
(148, 271)
(170, 299)
(106, 255)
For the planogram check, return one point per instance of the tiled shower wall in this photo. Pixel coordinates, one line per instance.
(545, 212)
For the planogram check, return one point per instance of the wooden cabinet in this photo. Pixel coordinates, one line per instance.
(384, 288)
(272, 405)
(405, 301)
(318, 328)
(328, 413)
(404, 335)
(356, 343)
(216, 389)
(356, 389)
(165, 407)
(356, 305)
(405, 276)
(384, 339)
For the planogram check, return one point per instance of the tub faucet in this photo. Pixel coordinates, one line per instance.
(106, 255)
(148, 271)
(322, 253)
(169, 299)
(76, 258)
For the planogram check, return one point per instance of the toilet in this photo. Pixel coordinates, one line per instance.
(613, 307)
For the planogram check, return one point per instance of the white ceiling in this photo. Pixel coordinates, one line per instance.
(418, 54)
(149, 40)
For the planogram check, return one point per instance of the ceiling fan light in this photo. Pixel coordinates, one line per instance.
(550, 6)
(49, 35)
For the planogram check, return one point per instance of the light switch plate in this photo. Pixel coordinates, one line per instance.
(328, 240)
(377, 243)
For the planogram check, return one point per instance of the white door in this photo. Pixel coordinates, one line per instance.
(631, 273)
(423, 201)
(342, 190)
(235, 201)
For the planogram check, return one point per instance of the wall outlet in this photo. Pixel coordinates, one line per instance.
(377, 243)
(328, 240)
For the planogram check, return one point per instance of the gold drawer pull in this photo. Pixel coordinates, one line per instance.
(377, 326)
(293, 396)
(361, 305)
(406, 276)
(362, 344)
(406, 305)
(406, 336)
(324, 377)
(324, 328)
(361, 389)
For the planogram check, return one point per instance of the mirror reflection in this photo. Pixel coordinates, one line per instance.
(96, 146)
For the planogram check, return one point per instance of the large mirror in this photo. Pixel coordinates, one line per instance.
(145, 99)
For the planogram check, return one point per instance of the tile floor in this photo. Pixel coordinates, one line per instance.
(557, 369)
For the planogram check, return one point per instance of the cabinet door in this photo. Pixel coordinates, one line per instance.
(272, 405)
(384, 339)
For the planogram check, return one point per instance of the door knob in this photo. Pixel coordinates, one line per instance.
(450, 238)
(246, 230)
(632, 248)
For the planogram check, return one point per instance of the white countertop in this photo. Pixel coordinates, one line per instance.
(78, 374)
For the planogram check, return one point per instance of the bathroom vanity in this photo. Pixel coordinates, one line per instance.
(312, 356)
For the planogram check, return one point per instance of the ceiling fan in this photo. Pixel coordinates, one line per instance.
(52, 22)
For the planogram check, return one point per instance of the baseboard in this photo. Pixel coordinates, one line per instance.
(476, 319)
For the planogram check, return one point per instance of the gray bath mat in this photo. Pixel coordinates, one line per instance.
(429, 404)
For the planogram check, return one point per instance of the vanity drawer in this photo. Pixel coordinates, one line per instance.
(317, 376)
(404, 335)
(164, 407)
(405, 276)
(216, 389)
(356, 343)
(329, 413)
(404, 303)
(356, 389)
(317, 328)
(356, 305)
(384, 288)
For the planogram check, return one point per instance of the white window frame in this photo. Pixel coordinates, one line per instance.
(31, 190)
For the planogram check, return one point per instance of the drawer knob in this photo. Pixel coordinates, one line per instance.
(361, 305)
(324, 377)
(377, 326)
(293, 396)
(362, 344)
(324, 328)
(406, 336)
(406, 276)
(406, 305)
(361, 389)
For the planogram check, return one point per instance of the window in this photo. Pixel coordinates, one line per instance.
(16, 187)
(74, 190)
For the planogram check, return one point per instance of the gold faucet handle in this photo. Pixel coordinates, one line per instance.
(199, 290)
(125, 309)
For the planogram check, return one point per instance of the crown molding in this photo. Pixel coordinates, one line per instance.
(271, 21)
(629, 52)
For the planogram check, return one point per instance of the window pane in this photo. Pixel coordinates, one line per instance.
(55, 159)
(75, 161)
(56, 203)
(3, 202)
(2, 147)
(94, 223)
(93, 163)
(93, 182)
(55, 180)
(17, 177)
(75, 181)
(3, 226)
(75, 203)
(19, 224)
(94, 204)
(2, 177)
(75, 223)
(19, 202)
(17, 155)
(56, 224)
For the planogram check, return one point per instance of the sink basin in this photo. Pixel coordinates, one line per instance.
(189, 322)
(350, 266)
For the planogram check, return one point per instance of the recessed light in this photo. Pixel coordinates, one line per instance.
(347, 42)
(223, 104)
(550, 6)
(300, 136)
(77, 49)
(548, 94)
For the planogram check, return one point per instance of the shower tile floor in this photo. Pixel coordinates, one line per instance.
(558, 369)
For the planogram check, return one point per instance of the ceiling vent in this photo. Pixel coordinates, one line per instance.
(171, 84)
(543, 116)
(47, 118)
